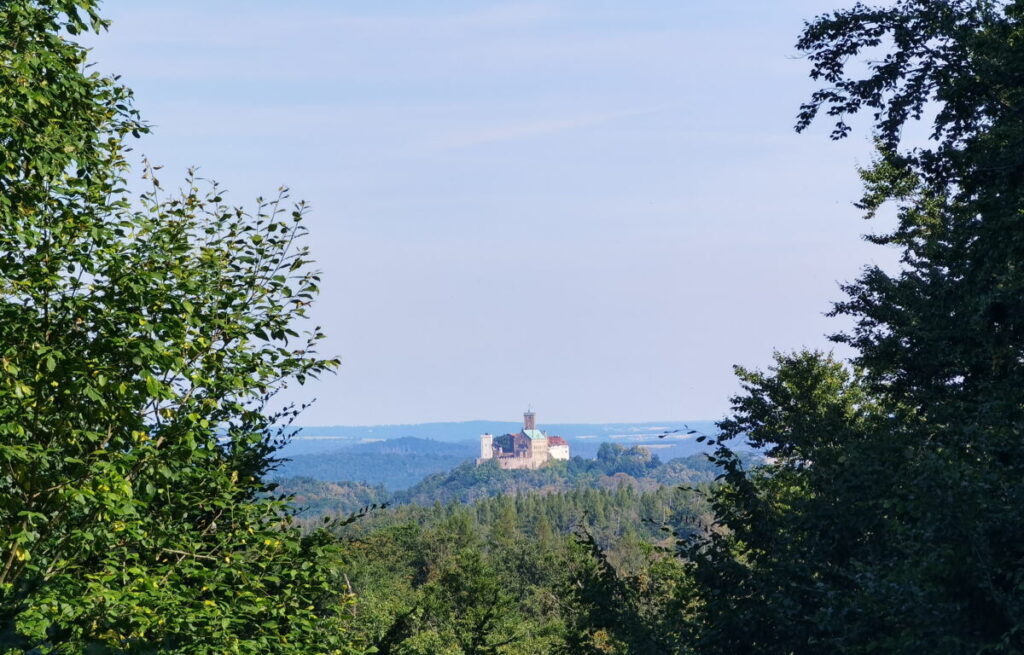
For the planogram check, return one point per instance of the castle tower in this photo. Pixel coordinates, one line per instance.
(529, 420)
(486, 446)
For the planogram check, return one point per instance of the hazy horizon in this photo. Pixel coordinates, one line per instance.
(540, 423)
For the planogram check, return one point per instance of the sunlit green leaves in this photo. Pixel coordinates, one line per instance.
(141, 340)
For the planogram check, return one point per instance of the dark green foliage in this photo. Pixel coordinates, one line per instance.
(786, 572)
(140, 342)
(611, 611)
(892, 519)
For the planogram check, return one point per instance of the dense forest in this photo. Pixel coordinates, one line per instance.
(145, 337)
(519, 574)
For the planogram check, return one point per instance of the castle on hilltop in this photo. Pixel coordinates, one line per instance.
(529, 449)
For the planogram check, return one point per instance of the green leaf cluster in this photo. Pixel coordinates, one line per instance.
(142, 341)
(891, 518)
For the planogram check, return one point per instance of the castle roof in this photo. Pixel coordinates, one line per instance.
(557, 441)
(534, 434)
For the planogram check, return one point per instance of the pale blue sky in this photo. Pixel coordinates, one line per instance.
(593, 207)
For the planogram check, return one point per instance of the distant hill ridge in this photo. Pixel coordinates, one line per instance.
(393, 469)
(466, 430)
(413, 446)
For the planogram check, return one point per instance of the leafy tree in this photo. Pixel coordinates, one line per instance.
(444, 592)
(613, 612)
(470, 606)
(891, 521)
(141, 340)
(797, 530)
(942, 340)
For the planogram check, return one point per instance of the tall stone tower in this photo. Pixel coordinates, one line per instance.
(529, 420)
(486, 446)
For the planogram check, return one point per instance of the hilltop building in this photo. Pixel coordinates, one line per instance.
(528, 449)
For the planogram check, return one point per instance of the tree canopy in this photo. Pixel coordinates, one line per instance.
(890, 521)
(142, 340)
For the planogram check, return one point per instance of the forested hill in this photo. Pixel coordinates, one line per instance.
(613, 467)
